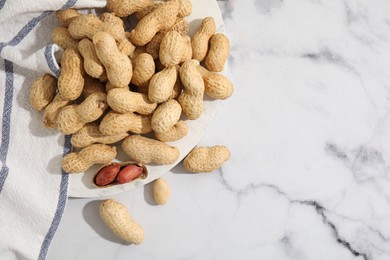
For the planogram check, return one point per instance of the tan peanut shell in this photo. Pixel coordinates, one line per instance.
(91, 86)
(138, 50)
(191, 99)
(123, 100)
(112, 18)
(171, 49)
(148, 9)
(160, 191)
(116, 123)
(143, 69)
(218, 52)
(85, 26)
(88, 156)
(92, 65)
(118, 65)
(66, 16)
(216, 86)
(71, 80)
(42, 91)
(181, 26)
(146, 150)
(161, 85)
(178, 131)
(187, 53)
(124, 8)
(73, 117)
(162, 18)
(51, 111)
(166, 116)
(118, 220)
(200, 40)
(62, 38)
(177, 88)
(185, 7)
(90, 134)
(206, 159)
(153, 47)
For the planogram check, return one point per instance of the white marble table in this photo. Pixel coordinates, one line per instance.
(309, 131)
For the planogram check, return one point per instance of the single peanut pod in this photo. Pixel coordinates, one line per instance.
(206, 159)
(42, 91)
(123, 100)
(91, 134)
(92, 65)
(71, 80)
(85, 26)
(143, 69)
(148, 9)
(73, 117)
(200, 41)
(178, 131)
(218, 52)
(62, 38)
(146, 150)
(160, 191)
(88, 156)
(124, 8)
(116, 123)
(171, 49)
(162, 18)
(65, 17)
(187, 53)
(216, 86)
(161, 85)
(91, 86)
(51, 111)
(166, 116)
(118, 65)
(191, 99)
(118, 220)
(185, 7)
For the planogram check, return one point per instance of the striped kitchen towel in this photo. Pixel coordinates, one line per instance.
(33, 189)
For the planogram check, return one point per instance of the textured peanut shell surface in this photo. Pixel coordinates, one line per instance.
(92, 65)
(91, 134)
(161, 85)
(88, 156)
(62, 38)
(166, 116)
(200, 40)
(172, 48)
(123, 100)
(178, 131)
(218, 53)
(117, 123)
(146, 150)
(65, 17)
(143, 69)
(123, 8)
(71, 80)
(51, 111)
(42, 91)
(206, 159)
(118, 220)
(216, 86)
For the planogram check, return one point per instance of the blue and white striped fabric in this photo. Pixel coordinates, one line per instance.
(33, 189)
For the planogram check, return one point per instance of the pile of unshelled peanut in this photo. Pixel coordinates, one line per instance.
(116, 86)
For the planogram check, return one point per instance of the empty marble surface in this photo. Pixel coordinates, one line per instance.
(309, 131)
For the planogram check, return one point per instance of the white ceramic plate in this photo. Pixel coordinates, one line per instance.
(80, 185)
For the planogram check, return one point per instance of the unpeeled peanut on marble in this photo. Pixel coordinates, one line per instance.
(88, 156)
(166, 116)
(206, 159)
(73, 117)
(91, 134)
(162, 18)
(191, 99)
(62, 38)
(200, 41)
(178, 131)
(123, 100)
(218, 52)
(42, 91)
(118, 220)
(160, 191)
(71, 80)
(146, 150)
(161, 85)
(118, 65)
(216, 86)
(117, 123)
